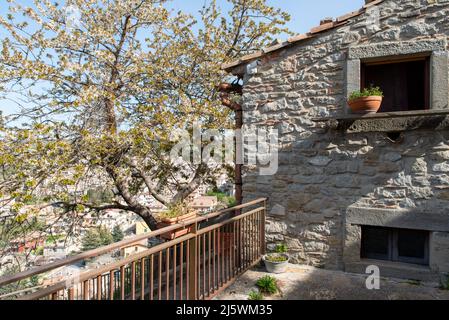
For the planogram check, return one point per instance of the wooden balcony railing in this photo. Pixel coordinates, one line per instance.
(219, 247)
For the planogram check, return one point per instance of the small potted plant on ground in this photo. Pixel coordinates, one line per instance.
(366, 101)
(277, 262)
(176, 214)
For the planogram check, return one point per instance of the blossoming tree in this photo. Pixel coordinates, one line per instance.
(101, 85)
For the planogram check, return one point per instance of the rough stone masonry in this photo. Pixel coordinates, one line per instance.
(331, 182)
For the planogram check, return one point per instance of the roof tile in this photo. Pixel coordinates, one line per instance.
(299, 37)
(350, 15)
(323, 27)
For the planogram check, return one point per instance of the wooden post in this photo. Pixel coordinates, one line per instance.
(193, 265)
(70, 293)
(133, 280)
(122, 282)
(86, 290)
(111, 285)
(262, 228)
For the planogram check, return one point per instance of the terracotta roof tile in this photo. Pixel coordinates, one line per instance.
(372, 3)
(322, 27)
(350, 15)
(299, 37)
(243, 59)
(276, 47)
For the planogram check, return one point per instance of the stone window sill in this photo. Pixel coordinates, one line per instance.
(394, 270)
(388, 121)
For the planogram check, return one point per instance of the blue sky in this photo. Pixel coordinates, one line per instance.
(308, 13)
(305, 15)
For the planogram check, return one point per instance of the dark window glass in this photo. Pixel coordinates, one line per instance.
(403, 245)
(412, 243)
(375, 243)
(405, 84)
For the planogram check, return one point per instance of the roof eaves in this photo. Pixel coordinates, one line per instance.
(342, 20)
(350, 15)
(243, 59)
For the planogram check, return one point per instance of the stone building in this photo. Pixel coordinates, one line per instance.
(351, 190)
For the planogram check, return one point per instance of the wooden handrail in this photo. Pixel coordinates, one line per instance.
(99, 251)
(90, 274)
(96, 272)
(217, 225)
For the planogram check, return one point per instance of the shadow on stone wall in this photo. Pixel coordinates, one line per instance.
(323, 175)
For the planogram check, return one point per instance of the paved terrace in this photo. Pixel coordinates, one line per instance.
(308, 283)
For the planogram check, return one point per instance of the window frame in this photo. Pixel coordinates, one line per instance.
(437, 48)
(426, 57)
(393, 248)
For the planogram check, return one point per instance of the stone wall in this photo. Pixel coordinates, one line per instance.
(324, 172)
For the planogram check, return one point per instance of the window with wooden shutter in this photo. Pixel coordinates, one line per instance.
(405, 82)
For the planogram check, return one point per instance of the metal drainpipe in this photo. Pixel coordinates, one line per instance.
(238, 167)
(227, 88)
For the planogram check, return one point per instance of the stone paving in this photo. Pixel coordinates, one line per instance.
(309, 283)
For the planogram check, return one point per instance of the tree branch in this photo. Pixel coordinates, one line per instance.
(192, 185)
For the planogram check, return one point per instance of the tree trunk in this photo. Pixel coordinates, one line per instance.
(111, 121)
(149, 219)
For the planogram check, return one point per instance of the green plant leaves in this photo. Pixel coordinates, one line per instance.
(367, 92)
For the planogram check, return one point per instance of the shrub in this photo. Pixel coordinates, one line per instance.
(34, 281)
(367, 92)
(105, 236)
(267, 285)
(95, 238)
(445, 283)
(51, 239)
(175, 211)
(228, 201)
(39, 251)
(255, 295)
(279, 254)
(117, 234)
(281, 248)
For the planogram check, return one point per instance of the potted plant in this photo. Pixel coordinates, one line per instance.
(277, 262)
(176, 214)
(366, 101)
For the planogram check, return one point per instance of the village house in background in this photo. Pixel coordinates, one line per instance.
(39, 248)
(354, 190)
(140, 228)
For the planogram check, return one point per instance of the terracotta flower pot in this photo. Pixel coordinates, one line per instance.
(166, 222)
(365, 105)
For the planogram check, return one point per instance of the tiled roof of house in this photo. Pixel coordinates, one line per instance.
(325, 25)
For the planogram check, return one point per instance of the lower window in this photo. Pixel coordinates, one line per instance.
(401, 245)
